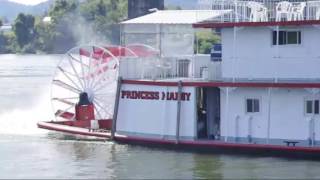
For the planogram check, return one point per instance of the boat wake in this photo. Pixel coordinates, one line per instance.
(23, 121)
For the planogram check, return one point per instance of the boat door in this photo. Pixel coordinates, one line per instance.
(208, 108)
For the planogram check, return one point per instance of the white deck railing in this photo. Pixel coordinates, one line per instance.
(241, 69)
(264, 10)
(154, 69)
(202, 69)
(198, 67)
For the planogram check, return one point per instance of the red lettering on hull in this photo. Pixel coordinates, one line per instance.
(155, 95)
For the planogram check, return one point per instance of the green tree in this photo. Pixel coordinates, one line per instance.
(72, 22)
(45, 36)
(0, 22)
(62, 8)
(104, 16)
(64, 16)
(205, 40)
(7, 40)
(24, 29)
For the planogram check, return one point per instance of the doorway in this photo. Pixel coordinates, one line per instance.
(208, 113)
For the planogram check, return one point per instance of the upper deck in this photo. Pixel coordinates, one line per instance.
(250, 54)
(261, 13)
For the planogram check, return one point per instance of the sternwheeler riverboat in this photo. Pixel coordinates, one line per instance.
(258, 91)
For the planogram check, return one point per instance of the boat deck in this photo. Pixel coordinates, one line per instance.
(207, 145)
(73, 130)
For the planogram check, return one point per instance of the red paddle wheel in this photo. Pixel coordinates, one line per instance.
(84, 85)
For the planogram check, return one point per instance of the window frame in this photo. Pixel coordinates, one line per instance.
(246, 105)
(313, 107)
(286, 31)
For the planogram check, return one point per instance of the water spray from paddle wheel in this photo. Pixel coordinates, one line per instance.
(85, 75)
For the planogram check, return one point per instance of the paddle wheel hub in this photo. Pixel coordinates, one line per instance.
(84, 109)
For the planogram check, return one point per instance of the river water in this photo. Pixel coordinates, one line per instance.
(28, 152)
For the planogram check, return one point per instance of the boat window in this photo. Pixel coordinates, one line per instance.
(309, 109)
(316, 106)
(312, 107)
(252, 105)
(286, 37)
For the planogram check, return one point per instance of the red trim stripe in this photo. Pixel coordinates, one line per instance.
(255, 24)
(218, 144)
(187, 143)
(225, 84)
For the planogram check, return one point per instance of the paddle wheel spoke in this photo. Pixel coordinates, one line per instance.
(101, 107)
(72, 75)
(99, 82)
(66, 86)
(98, 69)
(75, 71)
(103, 95)
(66, 75)
(98, 112)
(101, 87)
(78, 61)
(90, 69)
(82, 70)
(66, 98)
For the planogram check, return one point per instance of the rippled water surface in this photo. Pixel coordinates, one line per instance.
(28, 152)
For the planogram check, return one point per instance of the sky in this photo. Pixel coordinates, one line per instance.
(28, 2)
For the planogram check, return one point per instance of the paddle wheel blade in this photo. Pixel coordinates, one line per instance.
(65, 115)
(64, 101)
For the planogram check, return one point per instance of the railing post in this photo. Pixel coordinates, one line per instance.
(178, 112)
(116, 107)
(307, 10)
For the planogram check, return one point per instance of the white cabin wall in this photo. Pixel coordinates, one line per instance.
(287, 114)
(156, 118)
(287, 120)
(254, 49)
(237, 109)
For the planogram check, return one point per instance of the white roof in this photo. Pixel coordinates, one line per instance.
(176, 17)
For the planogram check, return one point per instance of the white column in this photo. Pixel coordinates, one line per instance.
(277, 42)
(226, 114)
(312, 131)
(116, 108)
(178, 112)
(277, 52)
(269, 114)
(234, 53)
(237, 133)
(160, 40)
(250, 129)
